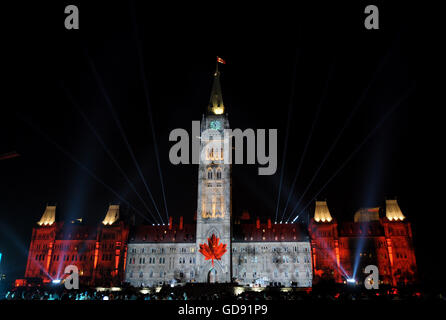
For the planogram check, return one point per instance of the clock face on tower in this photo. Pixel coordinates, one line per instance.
(215, 124)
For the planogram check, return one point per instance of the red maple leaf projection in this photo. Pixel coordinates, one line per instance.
(213, 249)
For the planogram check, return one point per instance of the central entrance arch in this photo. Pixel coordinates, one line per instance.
(212, 276)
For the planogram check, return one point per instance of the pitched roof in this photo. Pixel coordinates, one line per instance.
(248, 232)
(162, 234)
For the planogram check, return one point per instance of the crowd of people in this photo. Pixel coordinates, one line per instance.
(183, 293)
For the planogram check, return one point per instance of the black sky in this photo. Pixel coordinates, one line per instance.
(331, 48)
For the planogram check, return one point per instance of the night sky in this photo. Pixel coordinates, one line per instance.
(337, 66)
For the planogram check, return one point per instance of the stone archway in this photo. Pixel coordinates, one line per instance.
(212, 276)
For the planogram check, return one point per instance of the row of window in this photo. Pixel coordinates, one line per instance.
(161, 260)
(216, 174)
(74, 257)
(162, 250)
(265, 248)
(281, 259)
(162, 274)
(286, 274)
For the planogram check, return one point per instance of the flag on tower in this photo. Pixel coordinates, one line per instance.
(221, 60)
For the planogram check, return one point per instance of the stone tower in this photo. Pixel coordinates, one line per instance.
(214, 205)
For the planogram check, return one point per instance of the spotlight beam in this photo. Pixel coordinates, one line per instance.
(290, 113)
(347, 122)
(370, 134)
(107, 150)
(88, 171)
(313, 125)
(121, 130)
(149, 112)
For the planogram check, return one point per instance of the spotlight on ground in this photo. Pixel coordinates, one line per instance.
(351, 281)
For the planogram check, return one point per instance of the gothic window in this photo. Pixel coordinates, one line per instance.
(151, 274)
(218, 173)
(209, 173)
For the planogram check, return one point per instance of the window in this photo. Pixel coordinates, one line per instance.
(210, 174)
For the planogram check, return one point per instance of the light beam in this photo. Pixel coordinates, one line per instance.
(290, 113)
(149, 112)
(121, 130)
(371, 133)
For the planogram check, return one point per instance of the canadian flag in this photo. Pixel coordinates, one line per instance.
(221, 60)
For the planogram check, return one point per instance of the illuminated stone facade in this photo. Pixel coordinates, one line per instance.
(256, 254)
(259, 253)
(98, 252)
(342, 251)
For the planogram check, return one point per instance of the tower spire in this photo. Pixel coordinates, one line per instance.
(216, 105)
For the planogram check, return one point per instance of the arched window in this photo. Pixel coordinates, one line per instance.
(209, 173)
(218, 173)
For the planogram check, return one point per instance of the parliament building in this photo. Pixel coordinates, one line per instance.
(219, 247)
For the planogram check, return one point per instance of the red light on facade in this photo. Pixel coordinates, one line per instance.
(213, 249)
